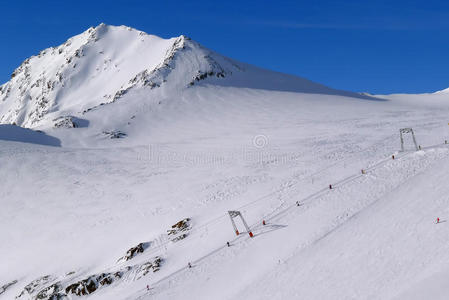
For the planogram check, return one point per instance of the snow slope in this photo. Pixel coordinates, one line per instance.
(19, 134)
(253, 140)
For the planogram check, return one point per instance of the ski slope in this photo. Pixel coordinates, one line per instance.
(115, 198)
(74, 200)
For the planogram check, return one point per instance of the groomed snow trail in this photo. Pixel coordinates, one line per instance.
(318, 218)
(381, 250)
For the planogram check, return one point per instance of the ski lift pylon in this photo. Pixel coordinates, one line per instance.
(234, 214)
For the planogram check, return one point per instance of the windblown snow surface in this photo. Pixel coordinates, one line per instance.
(128, 136)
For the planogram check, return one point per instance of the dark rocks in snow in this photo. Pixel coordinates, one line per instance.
(52, 292)
(214, 70)
(95, 107)
(79, 53)
(35, 286)
(179, 231)
(48, 288)
(149, 266)
(92, 283)
(115, 134)
(119, 94)
(180, 226)
(204, 75)
(4, 287)
(43, 288)
(133, 251)
(179, 237)
(156, 77)
(65, 122)
(70, 122)
(116, 97)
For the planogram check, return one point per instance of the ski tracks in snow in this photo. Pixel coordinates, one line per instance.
(346, 200)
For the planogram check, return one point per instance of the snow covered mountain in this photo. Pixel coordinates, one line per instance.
(137, 147)
(94, 68)
(107, 64)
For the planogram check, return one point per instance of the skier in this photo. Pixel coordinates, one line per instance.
(189, 265)
(227, 243)
(438, 220)
(263, 222)
(148, 287)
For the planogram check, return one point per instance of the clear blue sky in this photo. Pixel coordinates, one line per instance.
(373, 46)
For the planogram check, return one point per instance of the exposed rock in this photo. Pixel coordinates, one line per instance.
(65, 122)
(132, 252)
(179, 237)
(52, 292)
(35, 286)
(52, 82)
(147, 267)
(4, 287)
(48, 288)
(92, 283)
(180, 230)
(214, 70)
(115, 134)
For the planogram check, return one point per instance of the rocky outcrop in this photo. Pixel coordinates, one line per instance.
(134, 251)
(92, 283)
(149, 266)
(52, 292)
(180, 230)
(114, 134)
(4, 287)
(53, 288)
(37, 287)
(65, 122)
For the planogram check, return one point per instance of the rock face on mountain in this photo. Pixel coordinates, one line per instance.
(107, 64)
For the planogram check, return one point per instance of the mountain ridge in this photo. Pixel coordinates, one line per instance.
(104, 63)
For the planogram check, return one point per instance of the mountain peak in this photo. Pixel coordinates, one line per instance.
(108, 63)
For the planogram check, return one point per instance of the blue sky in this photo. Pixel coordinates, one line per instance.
(373, 46)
